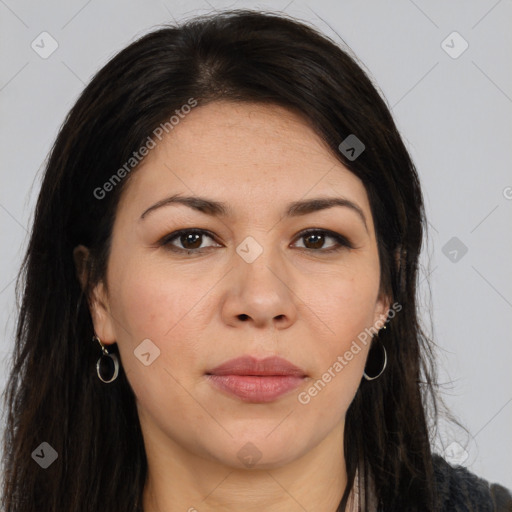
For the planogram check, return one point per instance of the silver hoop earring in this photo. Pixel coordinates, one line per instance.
(385, 357)
(107, 366)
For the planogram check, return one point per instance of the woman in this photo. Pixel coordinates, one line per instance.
(219, 302)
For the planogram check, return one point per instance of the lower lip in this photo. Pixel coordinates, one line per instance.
(251, 388)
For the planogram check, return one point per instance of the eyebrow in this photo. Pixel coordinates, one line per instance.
(220, 209)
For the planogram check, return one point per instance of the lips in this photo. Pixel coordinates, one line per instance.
(248, 365)
(254, 380)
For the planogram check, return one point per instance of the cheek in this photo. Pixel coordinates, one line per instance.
(168, 307)
(154, 297)
(150, 303)
(347, 306)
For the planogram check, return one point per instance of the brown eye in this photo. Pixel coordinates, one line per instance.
(189, 240)
(314, 240)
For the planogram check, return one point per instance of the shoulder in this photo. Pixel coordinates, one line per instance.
(459, 490)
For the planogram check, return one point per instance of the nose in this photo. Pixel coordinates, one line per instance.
(260, 292)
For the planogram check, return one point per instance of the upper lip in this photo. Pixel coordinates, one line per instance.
(249, 365)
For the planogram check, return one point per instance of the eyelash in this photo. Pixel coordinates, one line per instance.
(343, 242)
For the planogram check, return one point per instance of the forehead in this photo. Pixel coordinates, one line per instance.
(240, 153)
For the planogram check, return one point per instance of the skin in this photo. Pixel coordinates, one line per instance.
(202, 309)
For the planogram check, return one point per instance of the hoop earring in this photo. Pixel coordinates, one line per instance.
(385, 357)
(107, 366)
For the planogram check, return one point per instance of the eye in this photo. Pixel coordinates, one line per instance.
(191, 240)
(317, 237)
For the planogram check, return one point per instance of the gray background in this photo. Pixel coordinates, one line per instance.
(455, 117)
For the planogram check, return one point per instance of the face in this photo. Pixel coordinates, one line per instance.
(257, 280)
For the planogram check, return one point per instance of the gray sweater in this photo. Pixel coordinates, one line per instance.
(462, 491)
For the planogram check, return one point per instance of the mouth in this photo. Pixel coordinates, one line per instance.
(256, 381)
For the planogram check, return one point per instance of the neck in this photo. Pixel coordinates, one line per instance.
(179, 480)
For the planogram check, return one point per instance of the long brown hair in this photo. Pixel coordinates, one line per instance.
(53, 393)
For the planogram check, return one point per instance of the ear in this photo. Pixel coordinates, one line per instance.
(383, 303)
(381, 310)
(98, 299)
